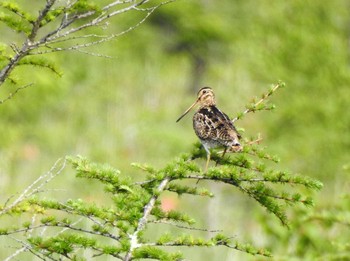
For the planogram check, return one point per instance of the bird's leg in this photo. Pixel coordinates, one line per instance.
(208, 159)
(223, 154)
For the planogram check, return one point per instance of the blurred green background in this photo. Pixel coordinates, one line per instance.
(123, 109)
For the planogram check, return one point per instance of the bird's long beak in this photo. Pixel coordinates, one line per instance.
(183, 115)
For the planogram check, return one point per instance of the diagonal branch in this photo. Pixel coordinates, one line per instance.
(255, 105)
(65, 226)
(89, 44)
(143, 220)
(42, 14)
(95, 22)
(185, 227)
(10, 96)
(25, 247)
(36, 186)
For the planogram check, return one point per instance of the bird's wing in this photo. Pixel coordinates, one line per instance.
(203, 125)
(228, 128)
(211, 123)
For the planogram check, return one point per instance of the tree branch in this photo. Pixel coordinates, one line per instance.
(256, 104)
(62, 31)
(184, 227)
(42, 14)
(10, 96)
(63, 225)
(143, 220)
(35, 187)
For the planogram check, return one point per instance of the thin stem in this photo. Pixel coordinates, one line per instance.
(264, 97)
(184, 227)
(10, 96)
(63, 225)
(31, 189)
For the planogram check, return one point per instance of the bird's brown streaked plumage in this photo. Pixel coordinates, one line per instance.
(213, 127)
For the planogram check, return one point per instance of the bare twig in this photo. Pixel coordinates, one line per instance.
(72, 38)
(63, 225)
(36, 186)
(10, 96)
(107, 7)
(97, 21)
(184, 227)
(94, 54)
(141, 183)
(89, 44)
(25, 247)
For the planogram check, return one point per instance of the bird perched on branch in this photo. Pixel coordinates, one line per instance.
(213, 127)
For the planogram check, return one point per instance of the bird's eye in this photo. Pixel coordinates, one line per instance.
(204, 92)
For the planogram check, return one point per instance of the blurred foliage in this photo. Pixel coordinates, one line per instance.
(124, 109)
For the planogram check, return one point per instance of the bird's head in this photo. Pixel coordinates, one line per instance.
(205, 97)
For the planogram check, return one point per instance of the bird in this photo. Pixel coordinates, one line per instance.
(212, 126)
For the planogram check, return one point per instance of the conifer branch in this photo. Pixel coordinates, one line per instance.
(247, 249)
(129, 196)
(62, 20)
(218, 240)
(293, 180)
(134, 242)
(258, 105)
(135, 205)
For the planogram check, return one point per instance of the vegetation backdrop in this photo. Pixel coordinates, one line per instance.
(122, 109)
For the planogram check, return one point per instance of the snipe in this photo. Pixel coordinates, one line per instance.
(213, 127)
